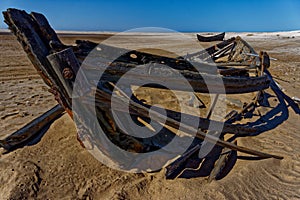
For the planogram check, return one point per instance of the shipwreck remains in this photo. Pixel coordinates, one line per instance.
(238, 65)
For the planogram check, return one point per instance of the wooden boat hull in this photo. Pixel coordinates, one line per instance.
(59, 65)
(218, 37)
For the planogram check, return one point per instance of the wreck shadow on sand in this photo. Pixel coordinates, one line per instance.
(195, 167)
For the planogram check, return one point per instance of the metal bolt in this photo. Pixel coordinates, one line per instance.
(68, 73)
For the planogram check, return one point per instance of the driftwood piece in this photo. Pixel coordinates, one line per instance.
(31, 129)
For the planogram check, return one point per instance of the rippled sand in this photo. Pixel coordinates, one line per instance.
(57, 167)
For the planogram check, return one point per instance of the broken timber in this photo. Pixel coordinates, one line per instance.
(31, 129)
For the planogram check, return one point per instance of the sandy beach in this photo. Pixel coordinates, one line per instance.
(56, 166)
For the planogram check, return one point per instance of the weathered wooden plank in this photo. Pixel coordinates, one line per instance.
(49, 35)
(31, 129)
(36, 45)
(242, 72)
(21, 25)
(222, 52)
(203, 83)
(66, 67)
(62, 66)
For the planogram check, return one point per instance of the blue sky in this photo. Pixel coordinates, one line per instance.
(193, 15)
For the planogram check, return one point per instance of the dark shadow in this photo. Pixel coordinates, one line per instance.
(192, 166)
(272, 119)
(230, 162)
(195, 167)
(278, 92)
(264, 101)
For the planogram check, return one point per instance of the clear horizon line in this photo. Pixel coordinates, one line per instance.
(114, 31)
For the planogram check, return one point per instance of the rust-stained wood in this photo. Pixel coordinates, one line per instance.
(66, 67)
(36, 45)
(49, 35)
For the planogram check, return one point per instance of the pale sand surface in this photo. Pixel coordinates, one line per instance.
(57, 167)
